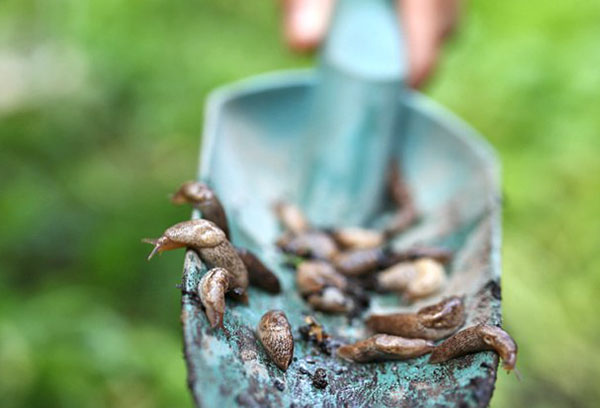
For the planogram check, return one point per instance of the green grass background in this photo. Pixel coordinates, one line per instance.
(91, 144)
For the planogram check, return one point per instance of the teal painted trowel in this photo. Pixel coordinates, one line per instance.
(323, 138)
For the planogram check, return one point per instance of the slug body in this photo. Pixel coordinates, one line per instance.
(275, 334)
(431, 322)
(259, 274)
(211, 289)
(359, 261)
(225, 256)
(357, 238)
(291, 218)
(478, 338)
(440, 255)
(194, 233)
(396, 278)
(309, 244)
(406, 213)
(429, 279)
(331, 300)
(211, 244)
(383, 347)
(202, 197)
(314, 276)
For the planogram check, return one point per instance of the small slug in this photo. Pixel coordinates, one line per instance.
(482, 337)
(211, 289)
(431, 322)
(429, 279)
(331, 300)
(194, 233)
(397, 187)
(204, 198)
(309, 244)
(275, 334)
(314, 276)
(441, 255)
(406, 213)
(396, 278)
(359, 261)
(381, 347)
(258, 273)
(291, 217)
(212, 246)
(357, 238)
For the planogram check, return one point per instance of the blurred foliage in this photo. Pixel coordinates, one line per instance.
(100, 116)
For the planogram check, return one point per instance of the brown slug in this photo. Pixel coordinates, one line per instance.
(441, 255)
(432, 322)
(309, 244)
(291, 217)
(357, 238)
(381, 347)
(406, 213)
(275, 334)
(211, 289)
(314, 276)
(359, 261)
(212, 246)
(331, 300)
(482, 337)
(202, 197)
(258, 273)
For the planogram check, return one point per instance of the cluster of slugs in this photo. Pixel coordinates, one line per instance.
(334, 267)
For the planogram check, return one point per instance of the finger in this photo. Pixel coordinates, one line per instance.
(425, 23)
(305, 22)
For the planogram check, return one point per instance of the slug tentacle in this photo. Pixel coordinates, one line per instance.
(381, 347)
(211, 289)
(432, 322)
(478, 338)
(275, 334)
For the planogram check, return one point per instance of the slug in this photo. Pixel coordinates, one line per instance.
(482, 337)
(211, 289)
(202, 197)
(275, 334)
(309, 244)
(429, 279)
(212, 246)
(406, 213)
(291, 217)
(331, 300)
(314, 276)
(441, 255)
(396, 278)
(359, 261)
(259, 274)
(431, 322)
(381, 347)
(357, 238)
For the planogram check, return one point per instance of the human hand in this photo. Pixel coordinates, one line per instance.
(426, 23)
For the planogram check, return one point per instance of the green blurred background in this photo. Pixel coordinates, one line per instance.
(100, 117)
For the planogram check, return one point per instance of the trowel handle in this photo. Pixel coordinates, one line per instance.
(365, 40)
